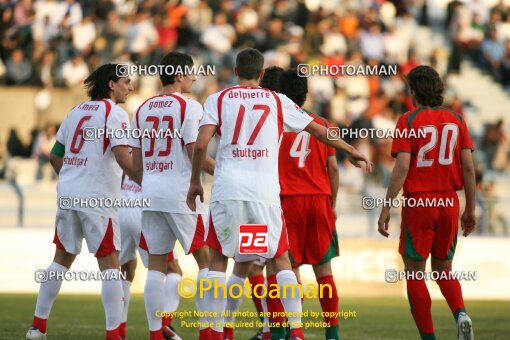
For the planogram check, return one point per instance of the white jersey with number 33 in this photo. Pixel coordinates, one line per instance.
(167, 123)
(250, 123)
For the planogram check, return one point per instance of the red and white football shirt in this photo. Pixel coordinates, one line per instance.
(250, 123)
(163, 120)
(90, 169)
(435, 157)
(302, 163)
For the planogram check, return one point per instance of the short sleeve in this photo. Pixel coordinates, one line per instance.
(210, 116)
(118, 120)
(62, 132)
(194, 113)
(295, 119)
(466, 142)
(400, 143)
(134, 141)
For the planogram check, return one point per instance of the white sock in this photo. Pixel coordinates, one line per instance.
(290, 304)
(201, 305)
(154, 297)
(112, 296)
(126, 288)
(215, 298)
(232, 303)
(172, 297)
(263, 302)
(48, 290)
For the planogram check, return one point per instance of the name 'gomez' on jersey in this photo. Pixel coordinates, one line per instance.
(435, 157)
(250, 123)
(89, 169)
(167, 123)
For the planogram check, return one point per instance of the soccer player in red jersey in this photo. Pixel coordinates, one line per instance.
(432, 168)
(309, 184)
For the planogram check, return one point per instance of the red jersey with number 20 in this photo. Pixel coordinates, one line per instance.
(250, 123)
(435, 150)
(302, 163)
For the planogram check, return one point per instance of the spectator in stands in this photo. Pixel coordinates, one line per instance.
(46, 69)
(372, 43)
(141, 37)
(19, 69)
(219, 36)
(75, 71)
(494, 145)
(493, 53)
(45, 141)
(84, 35)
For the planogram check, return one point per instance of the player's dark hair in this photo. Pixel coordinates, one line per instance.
(249, 64)
(97, 82)
(179, 61)
(294, 86)
(271, 78)
(426, 84)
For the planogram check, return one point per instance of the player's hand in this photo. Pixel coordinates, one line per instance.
(195, 189)
(356, 158)
(383, 223)
(468, 222)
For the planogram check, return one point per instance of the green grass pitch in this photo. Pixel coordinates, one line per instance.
(82, 317)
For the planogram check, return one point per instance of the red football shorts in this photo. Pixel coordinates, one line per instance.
(430, 221)
(311, 228)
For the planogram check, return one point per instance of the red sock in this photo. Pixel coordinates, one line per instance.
(205, 334)
(156, 335)
(296, 333)
(328, 304)
(122, 329)
(254, 281)
(40, 324)
(274, 305)
(419, 299)
(215, 335)
(452, 292)
(113, 334)
(166, 321)
(228, 333)
(266, 335)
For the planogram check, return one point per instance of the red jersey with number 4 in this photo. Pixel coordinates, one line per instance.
(302, 163)
(435, 137)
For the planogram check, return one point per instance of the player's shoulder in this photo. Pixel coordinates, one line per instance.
(145, 104)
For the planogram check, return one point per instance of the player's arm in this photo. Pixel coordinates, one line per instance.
(468, 219)
(205, 134)
(57, 156)
(208, 162)
(136, 156)
(334, 180)
(125, 162)
(355, 157)
(398, 177)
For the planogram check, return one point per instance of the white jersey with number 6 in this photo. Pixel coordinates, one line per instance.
(250, 123)
(90, 169)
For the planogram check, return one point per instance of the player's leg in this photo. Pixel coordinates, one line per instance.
(235, 284)
(158, 239)
(329, 297)
(68, 239)
(274, 304)
(128, 269)
(172, 297)
(215, 294)
(257, 281)
(416, 237)
(443, 250)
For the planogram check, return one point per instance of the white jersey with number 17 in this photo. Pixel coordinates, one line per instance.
(250, 123)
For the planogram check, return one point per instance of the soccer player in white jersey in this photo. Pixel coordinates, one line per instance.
(130, 220)
(166, 163)
(89, 169)
(248, 122)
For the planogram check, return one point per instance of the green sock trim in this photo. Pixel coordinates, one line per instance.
(332, 332)
(457, 312)
(427, 336)
(277, 333)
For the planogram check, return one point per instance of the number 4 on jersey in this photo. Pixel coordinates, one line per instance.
(300, 148)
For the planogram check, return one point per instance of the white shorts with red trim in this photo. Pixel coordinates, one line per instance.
(102, 233)
(130, 220)
(160, 231)
(226, 217)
